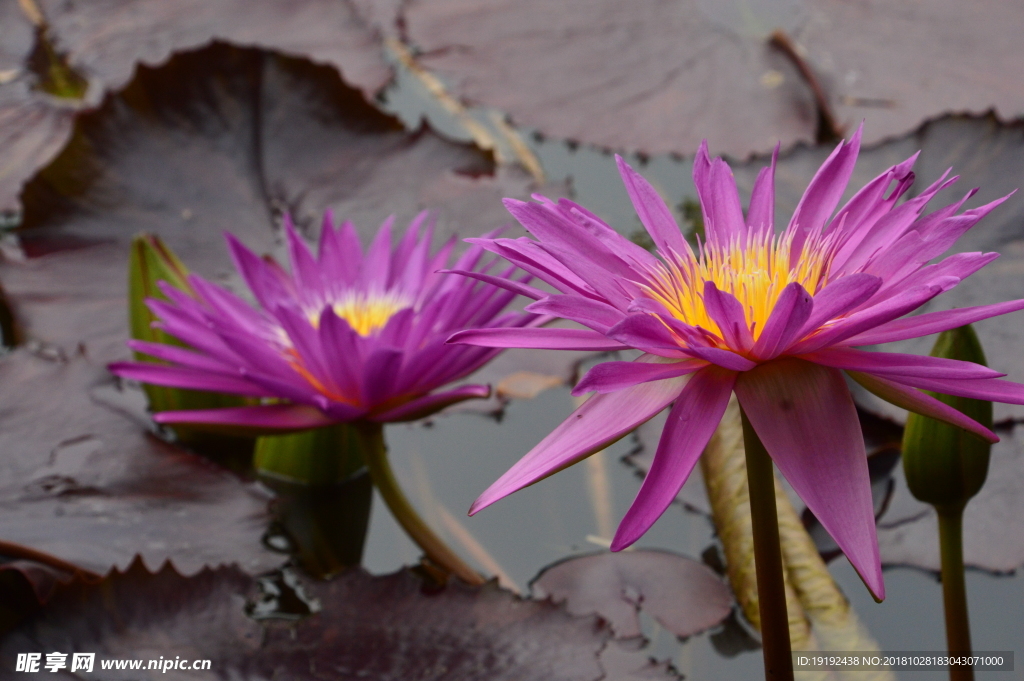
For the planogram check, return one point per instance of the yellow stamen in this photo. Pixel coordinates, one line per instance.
(755, 270)
(366, 313)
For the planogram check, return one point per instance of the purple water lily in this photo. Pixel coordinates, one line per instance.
(346, 336)
(774, 318)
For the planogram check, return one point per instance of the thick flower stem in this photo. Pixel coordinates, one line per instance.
(954, 591)
(771, 586)
(375, 453)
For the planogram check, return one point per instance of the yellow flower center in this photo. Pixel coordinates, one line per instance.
(755, 270)
(367, 312)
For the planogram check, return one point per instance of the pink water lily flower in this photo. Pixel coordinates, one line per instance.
(775, 318)
(345, 336)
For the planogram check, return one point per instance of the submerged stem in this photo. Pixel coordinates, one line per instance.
(954, 590)
(371, 436)
(771, 586)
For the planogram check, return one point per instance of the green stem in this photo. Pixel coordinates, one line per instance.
(375, 453)
(771, 586)
(954, 591)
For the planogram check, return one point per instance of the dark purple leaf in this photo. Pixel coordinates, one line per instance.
(85, 482)
(685, 596)
(389, 628)
(103, 42)
(660, 77)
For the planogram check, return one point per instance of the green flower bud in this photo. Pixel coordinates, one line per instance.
(152, 261)
(945, 465)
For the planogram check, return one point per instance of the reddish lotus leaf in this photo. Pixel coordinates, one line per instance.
(661, 77)
(85, 482)
(685, 596)
(385, 628)
(105, 41)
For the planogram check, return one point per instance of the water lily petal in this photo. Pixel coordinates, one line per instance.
(599, 422)
(899, 364)
(723, 358)
(933, 322)
(266, 419)
(655, 216)
(690, 425)
(918, 402)
(590, 313)
(761, 214)
(897, 306)
(839, 297)
(612, 376)
(430, 404)
(787, 319)
(823, 193)
(727, 312)
(541, 339)
(190, 379)
(646, 332)
(806, 419)
(991, 389)
(508, 284)
(173, 353)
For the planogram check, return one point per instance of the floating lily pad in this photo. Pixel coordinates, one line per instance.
(104, 42)
(388, 628)
(685, 596)
(660, 77)
(85, 482)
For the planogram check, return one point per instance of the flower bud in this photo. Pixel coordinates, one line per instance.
(151, 261)
(946, 465)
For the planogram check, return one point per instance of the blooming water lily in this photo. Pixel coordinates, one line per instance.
(773, 316)
(346, 337)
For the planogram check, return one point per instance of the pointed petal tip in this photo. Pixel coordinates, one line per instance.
(621, 542)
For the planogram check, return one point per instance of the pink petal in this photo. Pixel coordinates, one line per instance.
(723, 358)
(430, 404)
(690, 425)
(267, 419)
(646, 332)
(179, 355)
(787, 319)
(586, 311)
(190, 379)
(839, 297)
(761, 214)
(823, 193)
(542, 339)
(719, 201)
(305, 269)
(899, 364)
(806, 419)
(933, 322)
(655, 216)
(380, 373)
(727, 312)
(502, 282)
(921, 403)
(991, 389)
(612, 376)
(599, 422)
(876, 315)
